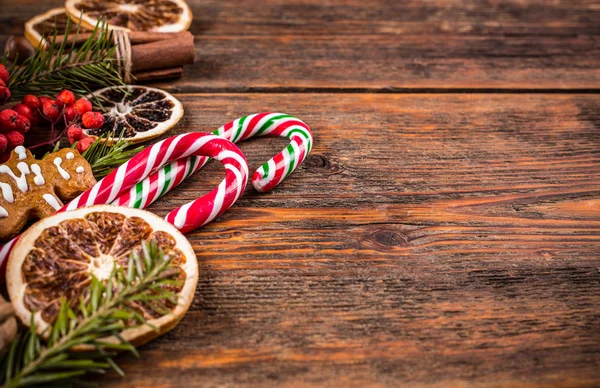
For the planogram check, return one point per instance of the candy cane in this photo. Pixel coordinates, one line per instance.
(264, 179)
(183, 147)
(191, 215)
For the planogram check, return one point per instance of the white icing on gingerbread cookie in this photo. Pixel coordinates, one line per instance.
(80, 170)
(50, 200)
(21, 181)
(63, 173)
(37, 171)
(70, 156)
(21, 152)
(7, 192)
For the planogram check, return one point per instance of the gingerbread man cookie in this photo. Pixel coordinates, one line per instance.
(33, 189)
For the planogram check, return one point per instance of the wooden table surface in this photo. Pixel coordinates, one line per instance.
(445, 230)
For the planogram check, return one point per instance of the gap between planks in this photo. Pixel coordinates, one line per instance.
(384, 90)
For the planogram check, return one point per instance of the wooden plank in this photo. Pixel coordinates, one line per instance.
(389, 45)
(451, 240)
(384, 45)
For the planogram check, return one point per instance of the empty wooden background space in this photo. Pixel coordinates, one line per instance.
(445, 230)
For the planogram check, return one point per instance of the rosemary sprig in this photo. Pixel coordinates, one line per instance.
(103, 158)
(63, 65)
(105, 312)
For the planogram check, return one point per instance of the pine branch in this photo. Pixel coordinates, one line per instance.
(61, 65)
(104, 158)
(105, 313)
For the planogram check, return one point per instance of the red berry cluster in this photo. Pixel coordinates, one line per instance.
(16, 122)
(4, 91)
(13, 124)
(89, 120)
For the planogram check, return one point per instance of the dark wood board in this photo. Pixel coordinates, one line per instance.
(382, 45)
(449, 240)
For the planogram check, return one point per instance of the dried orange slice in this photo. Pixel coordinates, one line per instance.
(40, 28)
(137, 113)
(133, 15)
(56, 257)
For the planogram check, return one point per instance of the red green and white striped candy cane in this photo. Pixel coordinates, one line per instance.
(187, 217)
(264, 179)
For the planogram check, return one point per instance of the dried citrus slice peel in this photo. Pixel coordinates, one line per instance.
(40, 28)
(56, 257)
(133, 15)
(138, 113)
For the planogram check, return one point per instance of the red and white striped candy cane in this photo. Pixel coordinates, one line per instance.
(189, 216)
(194, 214)
(264, 179)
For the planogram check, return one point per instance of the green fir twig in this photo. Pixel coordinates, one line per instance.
(105, 312)
(104, 158)
(62, 65)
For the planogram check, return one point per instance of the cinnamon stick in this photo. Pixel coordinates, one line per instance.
(140, 37)
(159, 74)
(154, 55)
(163, 54)
(135, 37)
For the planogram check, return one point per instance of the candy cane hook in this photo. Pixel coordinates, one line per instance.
(268, 176)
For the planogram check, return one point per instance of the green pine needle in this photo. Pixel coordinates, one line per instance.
(104, 158)
(65, 66)
(33, 361)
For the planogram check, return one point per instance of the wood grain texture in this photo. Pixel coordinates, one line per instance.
(445, 240)
(383, 45)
